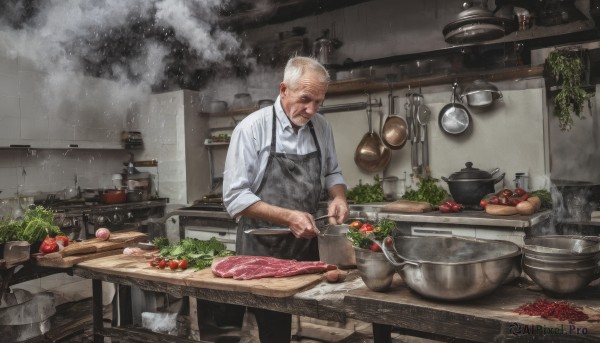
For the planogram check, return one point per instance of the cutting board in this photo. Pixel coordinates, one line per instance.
(406, 206)
(138, 267)
(99, 248)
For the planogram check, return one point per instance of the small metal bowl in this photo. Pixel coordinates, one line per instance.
(374, 269)
(561, 280)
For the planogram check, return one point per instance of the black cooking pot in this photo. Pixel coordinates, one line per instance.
(469, 185)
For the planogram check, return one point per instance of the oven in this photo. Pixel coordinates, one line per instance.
(80, 221)
(205, 221)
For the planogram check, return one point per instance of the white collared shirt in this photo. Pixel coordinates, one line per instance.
(249, 148)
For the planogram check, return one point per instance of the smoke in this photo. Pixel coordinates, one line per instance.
(139, 45)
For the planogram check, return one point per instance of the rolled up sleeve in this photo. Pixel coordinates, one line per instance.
(241, 167)
(333, 171)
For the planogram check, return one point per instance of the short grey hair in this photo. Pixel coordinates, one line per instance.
(297, 66)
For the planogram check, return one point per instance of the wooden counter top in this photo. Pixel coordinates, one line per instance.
(487, 319)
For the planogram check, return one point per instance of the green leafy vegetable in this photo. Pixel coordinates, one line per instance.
(384, 227)
(567, 68)
(545, 197)
(366, 193)
(427, 191)
(160, 242)
(198, 253)
(37, 224)
(10, 231)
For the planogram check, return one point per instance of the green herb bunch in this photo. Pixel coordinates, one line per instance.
(427, 191)
(198, 253)
(383, 228)
(567, 68)
(37, 223)
(366, 193)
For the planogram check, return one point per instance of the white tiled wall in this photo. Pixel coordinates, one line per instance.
(54, 170)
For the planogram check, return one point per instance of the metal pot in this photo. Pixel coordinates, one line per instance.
(480, 93)
(469, 185)
(451, 268)
(335, 248)
(113, 197)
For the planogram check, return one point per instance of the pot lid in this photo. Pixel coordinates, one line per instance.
(470, 173)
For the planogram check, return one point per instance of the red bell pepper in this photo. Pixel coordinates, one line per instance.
(64, 239)
(48, 246)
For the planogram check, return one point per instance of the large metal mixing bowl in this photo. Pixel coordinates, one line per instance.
(561, 280)
(452, 268)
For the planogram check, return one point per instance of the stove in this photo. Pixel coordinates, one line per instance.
(205, 220)
(80, 220)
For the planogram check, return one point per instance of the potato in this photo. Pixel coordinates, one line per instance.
(525, 207)
(536, 201)
(335, 275)
(500, 210)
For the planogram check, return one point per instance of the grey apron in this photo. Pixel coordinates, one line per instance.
(291, 181)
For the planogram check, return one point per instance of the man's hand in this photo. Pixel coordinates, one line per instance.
(302, 224)
(338, 207)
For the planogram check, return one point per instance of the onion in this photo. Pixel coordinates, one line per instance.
(102, 233)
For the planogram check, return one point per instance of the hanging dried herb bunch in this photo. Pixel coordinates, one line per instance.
(566, 65)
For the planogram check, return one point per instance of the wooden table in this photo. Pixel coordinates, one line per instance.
(487, 319)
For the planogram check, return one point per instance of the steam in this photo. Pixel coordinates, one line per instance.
(139, 45)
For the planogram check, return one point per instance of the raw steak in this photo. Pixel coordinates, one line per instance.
(256, 267)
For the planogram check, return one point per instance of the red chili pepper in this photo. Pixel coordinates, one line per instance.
(560, 310)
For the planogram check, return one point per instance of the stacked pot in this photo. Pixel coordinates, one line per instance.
(561, 264)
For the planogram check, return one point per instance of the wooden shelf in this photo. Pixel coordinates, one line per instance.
(364, 85)
(235, 112)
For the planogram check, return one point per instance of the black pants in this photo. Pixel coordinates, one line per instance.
(273, 326)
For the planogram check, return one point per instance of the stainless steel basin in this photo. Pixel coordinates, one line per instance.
(452, 268)
(561, 280)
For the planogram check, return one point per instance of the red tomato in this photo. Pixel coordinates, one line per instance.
(504, 200)
(515, 201)
(366, 228)
(456, 208)
(174, 264)
(153, 263)
(520, 191)
(183, 264)
(494, 200)
(162, 264)
(525, 196)
(444, 208)
(483, 203)
(356, 224)
(505, 192)
(375, 247)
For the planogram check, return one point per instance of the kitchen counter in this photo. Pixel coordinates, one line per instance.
(490, 318)
(468, 217)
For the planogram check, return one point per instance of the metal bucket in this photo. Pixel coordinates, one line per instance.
(23, 315)
(335, 248)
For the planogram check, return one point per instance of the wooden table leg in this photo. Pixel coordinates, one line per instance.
(125, 306)
(382, 333)
(97, 311)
